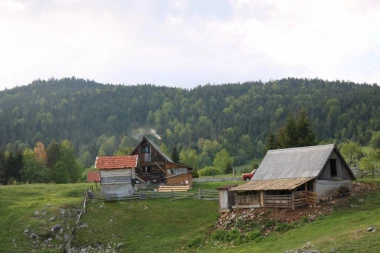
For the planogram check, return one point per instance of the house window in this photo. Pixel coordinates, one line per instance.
(333, 168)
(146, 152)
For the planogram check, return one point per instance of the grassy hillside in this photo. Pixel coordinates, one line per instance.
(345, 230)
(166, 225)
(34, 209)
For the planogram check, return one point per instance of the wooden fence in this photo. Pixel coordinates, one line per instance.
(73, 231)
(200, 194)
(375, 172)
(299, 198)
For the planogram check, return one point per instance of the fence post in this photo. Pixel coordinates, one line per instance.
(199, 194)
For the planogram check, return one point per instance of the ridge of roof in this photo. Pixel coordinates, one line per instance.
(300, 148)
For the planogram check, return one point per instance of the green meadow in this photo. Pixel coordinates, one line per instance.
(166, 225)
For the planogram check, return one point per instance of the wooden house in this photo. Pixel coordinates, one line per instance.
(293, 177)
(117, 174)
(155, 167)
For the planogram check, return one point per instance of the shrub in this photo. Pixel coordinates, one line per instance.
(209, 171)
(304, 219)
(236, 237)
(233, 235)
(195, 173)
(283, 227)
(195, 243)
(253, 235)
(269, 223)
(220, 235)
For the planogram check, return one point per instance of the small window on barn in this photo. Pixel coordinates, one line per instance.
(333, 168)
(169, 171)
(145, 149)
(179, 171)
(148, 169)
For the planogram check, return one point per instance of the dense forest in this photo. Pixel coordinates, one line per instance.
(103, 119)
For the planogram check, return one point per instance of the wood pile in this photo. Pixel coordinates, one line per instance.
(173, 188)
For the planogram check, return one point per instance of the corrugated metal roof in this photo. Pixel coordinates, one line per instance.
(303, 162)
(272, 184)
(116, 162)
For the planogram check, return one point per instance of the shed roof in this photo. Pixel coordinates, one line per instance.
(272, 184)
(303, 162)
(116, 162)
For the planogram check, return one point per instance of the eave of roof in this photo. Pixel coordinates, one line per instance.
(272, 184)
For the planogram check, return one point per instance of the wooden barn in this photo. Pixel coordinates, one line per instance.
(155, 167)
(293, 177)
(117, 174)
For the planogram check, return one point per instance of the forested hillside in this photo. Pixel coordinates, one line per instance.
(104, 119)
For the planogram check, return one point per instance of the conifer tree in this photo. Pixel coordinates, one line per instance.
(175, 154)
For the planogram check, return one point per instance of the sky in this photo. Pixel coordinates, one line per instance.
(186, 43)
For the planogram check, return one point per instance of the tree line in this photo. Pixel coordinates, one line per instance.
(58, 163)
(238, 118)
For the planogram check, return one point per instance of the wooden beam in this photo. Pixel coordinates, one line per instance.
(160, 167)
(293, 207)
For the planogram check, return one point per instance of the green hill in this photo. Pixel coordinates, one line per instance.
(101, 119)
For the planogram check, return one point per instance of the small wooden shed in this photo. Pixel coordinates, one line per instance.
(293, 177)
(116, 175)
(226, 198)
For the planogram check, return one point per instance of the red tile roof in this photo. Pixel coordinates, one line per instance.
(116, 162)
(93, 176)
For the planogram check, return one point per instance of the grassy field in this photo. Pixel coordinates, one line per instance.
(33, 209)
(166, 225)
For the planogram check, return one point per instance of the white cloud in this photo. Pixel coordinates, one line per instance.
(173, 43)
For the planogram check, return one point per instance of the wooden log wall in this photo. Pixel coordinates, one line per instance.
(278, 201)
(249, 199)
(180, 179)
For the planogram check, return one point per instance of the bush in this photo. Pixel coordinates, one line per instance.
(236, 237)
(220, 235)
(195, 173)
(304, 219)
(209, 171)
(195, 243)
(269, 223)
(283, 227)
(253, 235)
